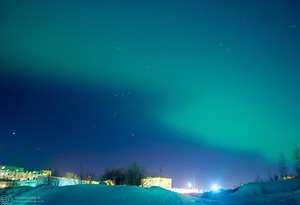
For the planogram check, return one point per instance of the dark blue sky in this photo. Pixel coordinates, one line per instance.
(200, 89)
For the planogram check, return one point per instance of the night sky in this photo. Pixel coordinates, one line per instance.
(206, 90)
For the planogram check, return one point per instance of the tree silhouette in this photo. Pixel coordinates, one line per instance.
(282, 166)
(297, 161)
(130, 176)
(134, 175)
(116, 175)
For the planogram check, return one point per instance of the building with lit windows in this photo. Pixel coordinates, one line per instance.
(18, 173)
(165, 183)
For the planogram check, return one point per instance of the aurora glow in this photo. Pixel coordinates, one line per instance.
(223, 75)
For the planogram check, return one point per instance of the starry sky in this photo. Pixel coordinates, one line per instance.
(195, 90)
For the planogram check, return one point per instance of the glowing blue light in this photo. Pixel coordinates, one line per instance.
(215, 187)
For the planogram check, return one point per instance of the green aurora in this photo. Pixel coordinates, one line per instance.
(228, 78)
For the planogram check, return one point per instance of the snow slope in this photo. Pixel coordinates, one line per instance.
(101, 194)
(258, 193)
(269, 187)
(261, 193)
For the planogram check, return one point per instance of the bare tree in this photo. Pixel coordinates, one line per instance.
(15, 161)
(51, 178)
(297, 161)
(134, 174)
(270, 177)
(130, 176)
(90, 176)
(116, 175)
(81, 174)
(282, 166)
(161, 173)
(257, 178)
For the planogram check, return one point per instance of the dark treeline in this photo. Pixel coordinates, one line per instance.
(131, 175)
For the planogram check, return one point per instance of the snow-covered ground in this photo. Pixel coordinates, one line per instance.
(258, 193)
(97, 194)
(262, 193)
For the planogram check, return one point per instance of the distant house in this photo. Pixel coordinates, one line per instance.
(17, 176)
(11, 173)
(41, 172)
(109, 182)
(165, 183)
(287, 177)
(18, 173)
(11, 168)
(70, 175)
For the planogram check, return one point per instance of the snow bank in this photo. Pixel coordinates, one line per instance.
(262, 193)
(269, 187)
(101, 194)
(15, 191)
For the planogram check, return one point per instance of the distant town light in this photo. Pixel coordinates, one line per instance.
(185, 191)
(215, 187)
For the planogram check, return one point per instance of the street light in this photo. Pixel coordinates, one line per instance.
(215, 187)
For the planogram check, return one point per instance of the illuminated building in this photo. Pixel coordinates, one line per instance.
(17, 176)
(157, 181)
(287, 177)
(109, 182)
(70, 175)
(18, 173)
(11, 168)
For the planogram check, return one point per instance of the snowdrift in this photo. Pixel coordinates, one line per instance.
(269, 187)
(98, 194)
(257, 193)
(260, 193)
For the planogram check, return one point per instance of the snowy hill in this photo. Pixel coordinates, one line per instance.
(97, 194)
(258, 193)
(261, 193)
(269, 187)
